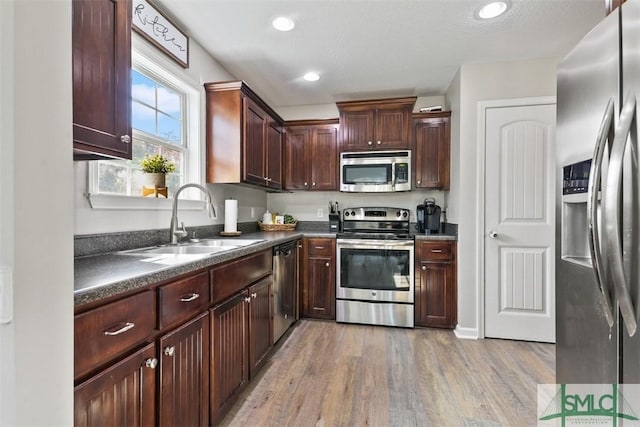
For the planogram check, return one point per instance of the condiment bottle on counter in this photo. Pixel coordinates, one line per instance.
(267, 218)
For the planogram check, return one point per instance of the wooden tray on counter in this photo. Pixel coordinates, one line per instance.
(277, 227)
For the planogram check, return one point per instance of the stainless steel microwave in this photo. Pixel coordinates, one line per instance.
(375, 171)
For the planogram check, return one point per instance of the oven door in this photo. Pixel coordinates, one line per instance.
(375, 270)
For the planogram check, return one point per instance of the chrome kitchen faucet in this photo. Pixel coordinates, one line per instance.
(176, 233)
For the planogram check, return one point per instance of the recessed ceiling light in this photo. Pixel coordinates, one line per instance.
(311, 77)
(493, 9)
(282, 23)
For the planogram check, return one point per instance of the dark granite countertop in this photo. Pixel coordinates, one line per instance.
(101, 276)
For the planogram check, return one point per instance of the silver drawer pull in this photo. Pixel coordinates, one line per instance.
(169, 350)
(123, 329)
(318, 247)
(436, 251)
(189, 298)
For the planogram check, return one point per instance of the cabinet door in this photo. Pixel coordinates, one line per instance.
(260, 324)
(121, 395)
(255, 121)
(319, 287)
(431, 153)
(274, 156)
(324, 158)
(393, 128)
(184, 374)
(101, 78)
(357, 130)
(435, 299)
(297, 158)
(229, 362)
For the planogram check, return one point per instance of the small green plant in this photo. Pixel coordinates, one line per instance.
(157, 164)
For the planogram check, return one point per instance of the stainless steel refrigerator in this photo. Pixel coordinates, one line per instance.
(598, 205)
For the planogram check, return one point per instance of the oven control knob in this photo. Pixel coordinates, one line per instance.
(353, 213)
(404, 214)
(374, 293)
(398, 214)
(346, 213)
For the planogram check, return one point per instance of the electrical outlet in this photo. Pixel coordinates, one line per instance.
(6, 295)
(320, 213)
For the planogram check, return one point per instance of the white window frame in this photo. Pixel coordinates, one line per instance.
(192, 164)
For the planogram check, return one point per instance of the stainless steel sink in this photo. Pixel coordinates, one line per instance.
(203, 247)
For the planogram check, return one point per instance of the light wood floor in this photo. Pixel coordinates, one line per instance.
(329, 374)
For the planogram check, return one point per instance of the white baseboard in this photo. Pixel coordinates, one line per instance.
(466, 333)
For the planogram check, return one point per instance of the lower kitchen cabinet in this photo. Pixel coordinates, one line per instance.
(184, 375)
(435, 286)
(241, 338)
(229, 355)
(122, 395)
(319, 283)
(260, 324)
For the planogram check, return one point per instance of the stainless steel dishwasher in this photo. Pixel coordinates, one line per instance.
(285, 287)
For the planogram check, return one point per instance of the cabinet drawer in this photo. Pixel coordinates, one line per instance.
(105, 332)
(321, 247)
(179, 300)
(436, 250)
(235, 276)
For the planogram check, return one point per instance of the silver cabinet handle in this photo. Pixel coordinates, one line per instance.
(493, 234)
(379, 142)
(125, 139)
(418, 182)
(127, 326)
(247, 299)
(254, 295)
(436, 251)
(188, 298)
(269, 179)
(424, 268)
(611, 201)
(318, 247)
(169, 350)
(313, 184)
(370, 143)
(306, 184)
(604, 133)
(326, 265)
(151, 362)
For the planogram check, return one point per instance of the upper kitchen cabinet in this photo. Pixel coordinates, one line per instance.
(244, 137)
(431, 157)
(101, 79)
(382, 124)
(611, 5)
(311, 155)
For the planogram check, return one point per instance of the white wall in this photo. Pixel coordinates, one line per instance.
(202, 68)
(479, 82)
(7, 342)
(36, 385)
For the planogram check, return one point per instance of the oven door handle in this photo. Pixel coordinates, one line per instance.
(345, 243)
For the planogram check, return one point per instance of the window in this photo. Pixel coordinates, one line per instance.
(161, 124)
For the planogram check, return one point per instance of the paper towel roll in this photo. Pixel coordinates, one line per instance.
(230, 216)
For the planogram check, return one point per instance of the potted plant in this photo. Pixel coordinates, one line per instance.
(156, 167)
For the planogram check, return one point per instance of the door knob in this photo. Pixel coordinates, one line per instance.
(493, 234)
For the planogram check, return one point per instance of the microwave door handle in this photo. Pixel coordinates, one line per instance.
(604, 133)
(611, 202)
(394, 176)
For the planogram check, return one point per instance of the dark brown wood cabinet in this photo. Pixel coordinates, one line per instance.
(319, 283)
(229, 355)
(381, 124)
(431, 150)
(243, 137)
(611, 5)
(260, 324)
(184, 374)
(101, 39)
(435, 287)
(122, 395)
(311, 155)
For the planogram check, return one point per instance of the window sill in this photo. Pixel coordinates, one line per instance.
(108, 201)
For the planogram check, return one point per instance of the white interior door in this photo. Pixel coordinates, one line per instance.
(519, 222)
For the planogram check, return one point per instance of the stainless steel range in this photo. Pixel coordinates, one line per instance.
(374, 283)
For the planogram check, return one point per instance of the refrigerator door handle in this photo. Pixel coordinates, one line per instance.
(611, 202)
(605, 133)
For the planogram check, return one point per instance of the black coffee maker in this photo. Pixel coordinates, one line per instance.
(428, 217)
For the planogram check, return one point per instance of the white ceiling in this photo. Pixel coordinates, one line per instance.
(374, 49)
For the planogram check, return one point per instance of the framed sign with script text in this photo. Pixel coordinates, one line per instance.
(154, 26)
